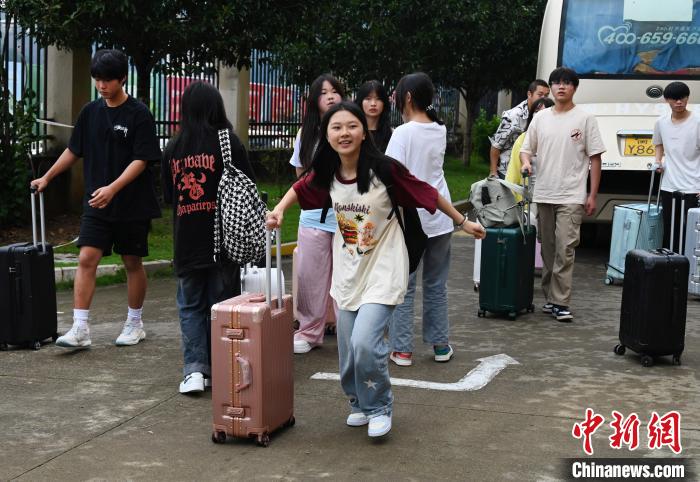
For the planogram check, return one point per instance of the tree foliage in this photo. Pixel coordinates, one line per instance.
(186, 33)
(475, 46)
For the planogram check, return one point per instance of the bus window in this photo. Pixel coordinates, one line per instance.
(603, 38)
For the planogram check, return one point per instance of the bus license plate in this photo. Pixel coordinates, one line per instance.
(639, 146)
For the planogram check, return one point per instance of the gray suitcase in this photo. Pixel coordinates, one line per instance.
(634, 226)
(692, 250)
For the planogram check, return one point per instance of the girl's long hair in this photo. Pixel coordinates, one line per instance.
(326, 161)
(203, 113)
(545, 101)
(422, 92)
(312, 117)
(383, 133)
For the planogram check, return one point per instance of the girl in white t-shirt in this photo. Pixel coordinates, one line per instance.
(370, 260)
(313, 262)
(420, 145)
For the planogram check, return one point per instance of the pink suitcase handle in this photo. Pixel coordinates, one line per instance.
(245, 373)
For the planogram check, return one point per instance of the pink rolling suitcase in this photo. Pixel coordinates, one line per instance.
(253, 362)
(330, 316)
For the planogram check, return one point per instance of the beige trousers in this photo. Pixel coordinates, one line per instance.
(559, 230)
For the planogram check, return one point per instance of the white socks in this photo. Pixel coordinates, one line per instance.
(80, 318)
(135, 315)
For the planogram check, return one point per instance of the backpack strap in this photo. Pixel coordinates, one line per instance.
(324, 212)
(225, 145)
(389, 185)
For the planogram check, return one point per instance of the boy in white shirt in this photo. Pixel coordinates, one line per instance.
(565, 139)
(677, 141)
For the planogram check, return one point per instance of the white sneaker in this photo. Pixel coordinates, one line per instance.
(303, 346)
(357, 419)
(194, 382)
(379, 425)
(77, 337)
(131, 334)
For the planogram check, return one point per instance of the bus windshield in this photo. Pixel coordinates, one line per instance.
(631, 38)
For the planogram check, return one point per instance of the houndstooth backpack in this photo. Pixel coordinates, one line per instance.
(239, 220)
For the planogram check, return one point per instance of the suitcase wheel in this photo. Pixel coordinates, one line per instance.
(263, 440)
(619, 349)
(290, 422)
(609, 281)
(512, 315)
(476, 286)
(218, 437)
(677, 360)
(296, 325)
(36, 345)
(4, 347)
(647, 361)
(481, 313)
(54, 337)
(531, 309)
(330, 329)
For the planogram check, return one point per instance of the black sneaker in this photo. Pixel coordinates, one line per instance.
(547, 307)
(562, 313)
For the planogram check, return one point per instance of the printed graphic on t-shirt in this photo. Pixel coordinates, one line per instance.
(190, 177)
(576, 135)
(121, 130)
(357, 230)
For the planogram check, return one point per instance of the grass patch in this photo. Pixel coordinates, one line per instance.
(460, 179)
(160, 242)
(290, 223)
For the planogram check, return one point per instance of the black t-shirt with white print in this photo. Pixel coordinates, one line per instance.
(190, 183)
(109, 139)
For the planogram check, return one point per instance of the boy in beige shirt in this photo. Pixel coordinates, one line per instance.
(566, 140)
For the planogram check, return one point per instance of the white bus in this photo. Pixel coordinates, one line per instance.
(625, 52)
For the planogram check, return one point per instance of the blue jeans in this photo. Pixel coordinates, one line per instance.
(197, 292)
(436, 325)
(364, 355)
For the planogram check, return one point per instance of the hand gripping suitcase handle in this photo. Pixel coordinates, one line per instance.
(246, 373)
(42, 218)
(268, 267)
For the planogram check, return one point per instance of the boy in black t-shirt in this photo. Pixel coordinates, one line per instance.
(115, 135)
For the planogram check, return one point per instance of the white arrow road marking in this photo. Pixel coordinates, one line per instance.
(476, 379)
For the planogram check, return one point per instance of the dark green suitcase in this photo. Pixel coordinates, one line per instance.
(507, 271)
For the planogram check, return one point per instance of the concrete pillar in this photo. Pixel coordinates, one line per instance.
(234, 86)
(462, 114)
(69, 88)
(505, 99)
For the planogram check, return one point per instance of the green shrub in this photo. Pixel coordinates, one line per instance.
(272, 165)
(16, 137)
(484, 127)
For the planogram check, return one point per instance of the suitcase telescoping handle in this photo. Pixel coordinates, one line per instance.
(526, 184)
(42, 219)
(681, 232)
(651, 188)
(268, 268)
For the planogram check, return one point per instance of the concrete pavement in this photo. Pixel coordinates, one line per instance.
(112, 413)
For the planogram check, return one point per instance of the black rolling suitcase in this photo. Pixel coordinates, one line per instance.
(28, 289)
(654, 299)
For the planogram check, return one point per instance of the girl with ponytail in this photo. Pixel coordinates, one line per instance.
(420, 145)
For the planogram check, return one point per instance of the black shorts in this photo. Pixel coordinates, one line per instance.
(127, 237)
